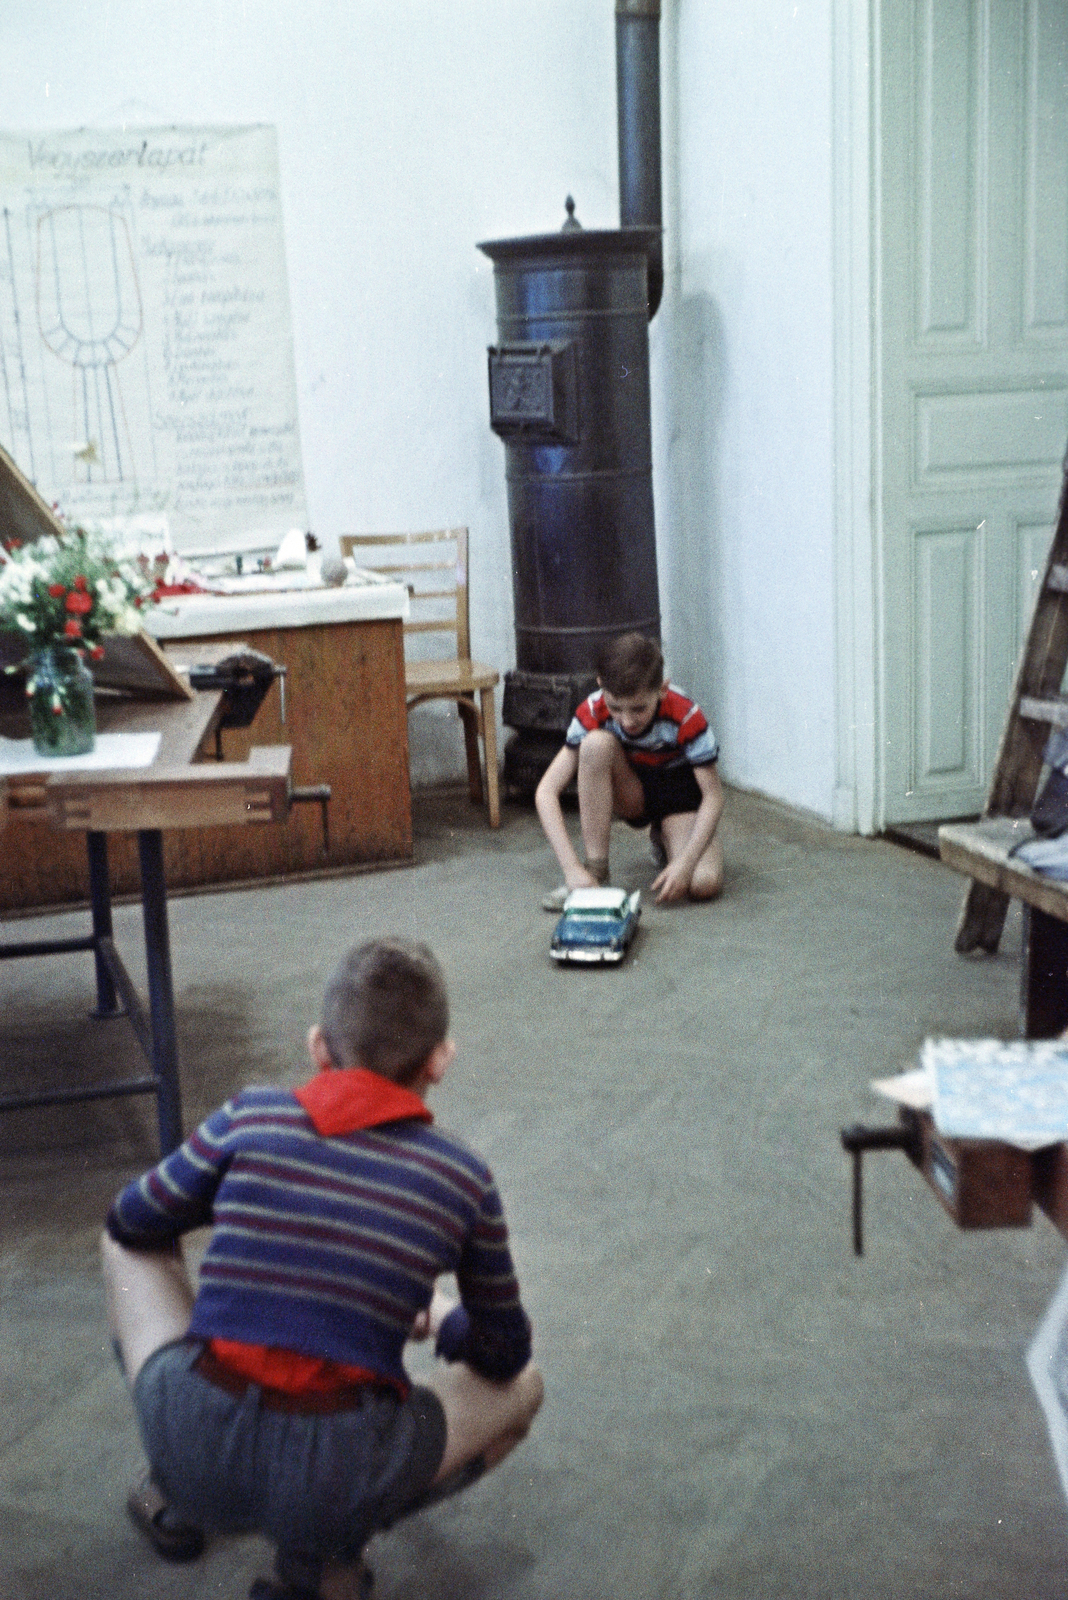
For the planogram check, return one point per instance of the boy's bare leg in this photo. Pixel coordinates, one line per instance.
(707, 880)
(149, 1300)
(483, 1419)
(606, 785)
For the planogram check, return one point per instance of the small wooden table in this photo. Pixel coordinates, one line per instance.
(179, 790)
(984, 1183)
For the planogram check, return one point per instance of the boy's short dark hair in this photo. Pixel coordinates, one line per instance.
(386, 1008)
(630, 664)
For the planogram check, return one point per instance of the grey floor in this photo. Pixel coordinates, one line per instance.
(736, 1407)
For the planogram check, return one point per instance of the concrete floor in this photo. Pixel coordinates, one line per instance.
(735, 1405)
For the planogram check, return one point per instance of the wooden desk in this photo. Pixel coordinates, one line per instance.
(980, 850)
(177, 790)
(346, 724)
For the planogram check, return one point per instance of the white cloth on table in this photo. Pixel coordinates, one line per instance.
(111, 752)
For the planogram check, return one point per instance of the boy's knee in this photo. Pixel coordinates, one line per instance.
(598, 751)
(706, 891)
(707, 884)
(531, 1393)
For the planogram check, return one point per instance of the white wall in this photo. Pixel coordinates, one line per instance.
(407, 132)
(744, 361)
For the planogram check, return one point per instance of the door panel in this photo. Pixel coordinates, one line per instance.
(945, 735)
(974, 373)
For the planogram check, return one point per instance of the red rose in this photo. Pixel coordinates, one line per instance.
(56, 590)
(72, 628)
(97, 652)
(78, 603)
(81, 582)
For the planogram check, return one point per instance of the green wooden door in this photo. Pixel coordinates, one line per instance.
(972, 387)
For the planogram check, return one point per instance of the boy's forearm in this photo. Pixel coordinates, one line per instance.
(551, 815)
(705, 823)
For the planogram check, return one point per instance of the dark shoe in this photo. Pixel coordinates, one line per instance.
(170, 1536)
(657, 847)
(276, 1589)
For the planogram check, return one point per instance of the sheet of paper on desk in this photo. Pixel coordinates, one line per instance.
(112, 752)
(914, 1089)
(987, 1089)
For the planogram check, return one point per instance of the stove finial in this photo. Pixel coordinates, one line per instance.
(572, 225)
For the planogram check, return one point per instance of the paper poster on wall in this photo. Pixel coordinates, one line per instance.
(146, 351)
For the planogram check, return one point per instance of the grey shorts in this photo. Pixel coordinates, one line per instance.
(316, 1485)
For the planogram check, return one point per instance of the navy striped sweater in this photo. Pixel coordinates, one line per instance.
(329, 1246)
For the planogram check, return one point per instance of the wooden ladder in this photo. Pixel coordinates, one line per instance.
(1037, 704)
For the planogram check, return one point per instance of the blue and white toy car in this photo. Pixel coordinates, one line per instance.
(597, 925)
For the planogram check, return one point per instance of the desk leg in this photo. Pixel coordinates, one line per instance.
(160, 988)
(1044, 977)
(96, 848)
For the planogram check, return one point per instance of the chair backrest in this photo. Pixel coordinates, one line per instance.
(433, 566)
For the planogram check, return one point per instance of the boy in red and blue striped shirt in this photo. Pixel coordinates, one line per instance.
(641, 750)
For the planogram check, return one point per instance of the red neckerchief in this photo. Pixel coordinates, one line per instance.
(343, 1099)
(339, 1100)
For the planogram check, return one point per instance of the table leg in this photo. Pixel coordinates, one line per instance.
(160, 988)
(96, 848)
(1044, 975)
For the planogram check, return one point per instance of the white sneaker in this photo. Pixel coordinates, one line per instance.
(554, 900)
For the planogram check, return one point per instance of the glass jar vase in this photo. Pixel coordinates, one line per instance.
(59, 686)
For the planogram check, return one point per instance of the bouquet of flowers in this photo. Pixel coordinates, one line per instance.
(70, 590)
(60, 595)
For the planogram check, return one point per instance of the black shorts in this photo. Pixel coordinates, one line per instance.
(667, 792)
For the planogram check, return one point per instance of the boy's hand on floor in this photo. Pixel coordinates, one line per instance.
(672, 884)
(580, 878)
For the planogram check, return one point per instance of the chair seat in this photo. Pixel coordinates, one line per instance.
(442, 678)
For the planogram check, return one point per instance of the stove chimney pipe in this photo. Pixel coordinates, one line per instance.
(638, 113)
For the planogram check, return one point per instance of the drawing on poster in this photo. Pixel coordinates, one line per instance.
(89, 316)
(146, 360)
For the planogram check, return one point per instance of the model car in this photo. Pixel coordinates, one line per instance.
(597, 925)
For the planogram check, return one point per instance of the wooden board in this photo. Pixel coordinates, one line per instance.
(982, 1183)
(980, 850)
(133, 663)
(23, 513)
(203, 795)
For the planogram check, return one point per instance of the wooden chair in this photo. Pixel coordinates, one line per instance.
(434, 568)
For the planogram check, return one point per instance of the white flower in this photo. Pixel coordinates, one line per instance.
(24, 623)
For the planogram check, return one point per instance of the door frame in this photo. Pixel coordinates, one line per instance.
(859, 625)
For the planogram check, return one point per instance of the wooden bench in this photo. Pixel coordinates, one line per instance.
(980, 850)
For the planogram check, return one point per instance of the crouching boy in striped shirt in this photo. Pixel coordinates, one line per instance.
(275, 1398)
(641, 750)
